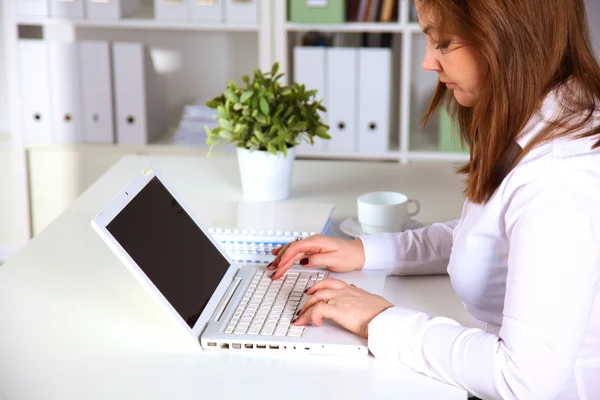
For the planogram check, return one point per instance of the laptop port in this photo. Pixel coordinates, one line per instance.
(261, 346)
(249, 346)
(236, 346)
(212, 344)
(224, 345)
(274, 347)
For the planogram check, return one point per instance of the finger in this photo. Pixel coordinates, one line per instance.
(280, 251)
(306, 246)
(329, 283)
(282, 268)
(316, 314)
(319, 260)
(321, 295)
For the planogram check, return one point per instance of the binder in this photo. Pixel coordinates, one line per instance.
(374, 99)
(318, 11)
(110, 9)
(68, 9)
(206, 10)
(341, 91)
(65, 101)
(309, 69)
(176, 10)
(35, 89)
(37, 8)
(244, 11)
(96, 91)
(139, 107)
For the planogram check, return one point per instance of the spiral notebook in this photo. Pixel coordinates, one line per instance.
(249, 231)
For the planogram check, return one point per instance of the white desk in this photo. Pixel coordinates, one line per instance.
(74, 324)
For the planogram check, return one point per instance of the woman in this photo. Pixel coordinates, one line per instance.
(521, 81)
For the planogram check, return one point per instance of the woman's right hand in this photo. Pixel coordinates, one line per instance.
(337, 255)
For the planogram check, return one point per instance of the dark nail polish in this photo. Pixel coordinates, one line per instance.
(294, 320)
(298, 312)
(304, 261)
(271, 263)
(307, 289)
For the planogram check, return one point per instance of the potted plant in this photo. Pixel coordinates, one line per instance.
(266, 121)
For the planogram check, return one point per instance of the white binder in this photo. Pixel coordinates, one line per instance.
(374, 77)
(341, 92)
(35, 89)
(176, 10)
(38, 8)
(68, 9)
(309, 69)
(206, 10)
(96, 92)
(110, 9)
(139, 107)
(244, 11)
(65, 104)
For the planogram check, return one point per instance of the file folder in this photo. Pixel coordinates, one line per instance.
(374, 99)
(206, 10)
(171, 10)
(341, 91)
(110, 9)
(309, 70)
(37, 8)
(139, 106)
(96, 92)
(318, 11)
(244, 11)
(65, 104)
(35, 89)
(67, 9)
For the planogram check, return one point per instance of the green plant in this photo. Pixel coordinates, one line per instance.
(264, 115)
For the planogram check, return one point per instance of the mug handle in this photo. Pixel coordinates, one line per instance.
(417, 207)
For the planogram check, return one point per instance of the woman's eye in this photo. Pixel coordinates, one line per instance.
(442, 46)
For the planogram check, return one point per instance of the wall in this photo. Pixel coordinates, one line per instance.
(593, 10)
(3, 77)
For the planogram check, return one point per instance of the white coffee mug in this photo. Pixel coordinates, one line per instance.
(384, 211)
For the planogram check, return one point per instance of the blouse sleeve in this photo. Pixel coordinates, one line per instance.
(422, 251)
(553, 228)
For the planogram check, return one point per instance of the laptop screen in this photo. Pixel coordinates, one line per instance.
(170, 248)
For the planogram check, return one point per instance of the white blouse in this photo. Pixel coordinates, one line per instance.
(527, 263)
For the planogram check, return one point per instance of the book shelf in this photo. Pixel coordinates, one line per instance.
(209, 55)
(413, 90)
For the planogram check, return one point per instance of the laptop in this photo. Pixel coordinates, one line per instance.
(222, 305)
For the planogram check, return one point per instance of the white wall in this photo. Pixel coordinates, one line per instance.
(3, 77)
(593, 10)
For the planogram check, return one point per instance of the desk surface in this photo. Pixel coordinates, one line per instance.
(75, 324)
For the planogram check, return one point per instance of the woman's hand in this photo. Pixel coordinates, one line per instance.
(349, 306)
(337, 255)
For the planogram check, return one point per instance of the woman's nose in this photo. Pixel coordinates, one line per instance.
(430, 62)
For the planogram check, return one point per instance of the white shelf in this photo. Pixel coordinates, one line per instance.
(387, 156)
(437, 155)
(143, 19)
(393, 27)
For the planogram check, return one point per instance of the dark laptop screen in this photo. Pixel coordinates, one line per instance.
(170, 248)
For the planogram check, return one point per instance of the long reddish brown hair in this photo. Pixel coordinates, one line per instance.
(530, 48)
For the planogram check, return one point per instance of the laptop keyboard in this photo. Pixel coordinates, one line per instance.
(268, 307)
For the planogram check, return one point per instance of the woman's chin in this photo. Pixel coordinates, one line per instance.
(464, 99)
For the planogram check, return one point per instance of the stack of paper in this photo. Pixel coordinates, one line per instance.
(191, 132)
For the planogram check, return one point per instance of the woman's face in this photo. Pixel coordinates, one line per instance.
(458, 65)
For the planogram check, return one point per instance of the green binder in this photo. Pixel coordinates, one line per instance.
(449, 139)
(317, 11)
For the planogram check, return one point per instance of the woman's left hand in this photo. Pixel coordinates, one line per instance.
(351, 307)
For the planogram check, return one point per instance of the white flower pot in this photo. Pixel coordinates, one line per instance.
(265, 177)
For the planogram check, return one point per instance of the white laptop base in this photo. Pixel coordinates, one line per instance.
(220, 303)
(329, 338)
